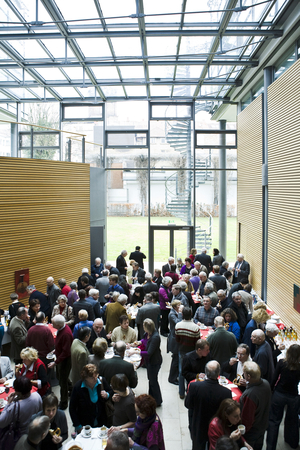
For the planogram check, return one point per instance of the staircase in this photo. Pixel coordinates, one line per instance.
(178, 186)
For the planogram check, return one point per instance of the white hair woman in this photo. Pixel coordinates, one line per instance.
(65, 310)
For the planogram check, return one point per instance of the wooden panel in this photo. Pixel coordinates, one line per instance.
(249, 188)
(45, 221)
(284, 193)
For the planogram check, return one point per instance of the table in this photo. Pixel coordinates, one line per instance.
(132, 358)
(236, 392)
(52, 329)
(92, 443)
(11, 389)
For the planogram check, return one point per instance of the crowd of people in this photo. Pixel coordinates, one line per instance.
(95, 328)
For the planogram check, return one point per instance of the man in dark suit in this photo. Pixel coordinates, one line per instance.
(194, 362)
(148, 311)
(138, 256)
(83, 304)
(121, 263)
(241, 269)
(263, 355)
(138, 274)
(109, 367)
(85, 273)
(203, 400)
(218, 279)
(97, 331)
(167, 267)
(149, 286)
(204, 259)
(112, 270)
(237, 287)
(93, 300)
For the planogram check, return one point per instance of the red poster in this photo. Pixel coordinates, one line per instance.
(21, 282)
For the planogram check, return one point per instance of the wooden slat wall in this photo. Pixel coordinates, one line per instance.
(44, 221)
(249, 188)
(284, 193)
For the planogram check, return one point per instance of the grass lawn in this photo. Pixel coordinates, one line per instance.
(127, 232)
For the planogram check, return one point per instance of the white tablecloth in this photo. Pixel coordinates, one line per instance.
(92, 443)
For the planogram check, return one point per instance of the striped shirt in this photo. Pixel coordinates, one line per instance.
(187, 334)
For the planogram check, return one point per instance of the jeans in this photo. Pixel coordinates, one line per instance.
(154, 389)
(291, 428)
(181, 379)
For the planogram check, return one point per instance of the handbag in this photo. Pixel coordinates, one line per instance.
(10, 434)
(109, 406)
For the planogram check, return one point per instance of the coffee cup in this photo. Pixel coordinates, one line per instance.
(87, 430)
(242, 429)
(223, 379)
(1, 402)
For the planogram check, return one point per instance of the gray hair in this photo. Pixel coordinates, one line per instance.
(271, 327)
(119, 348)
(148, 276)
(194, 272)
(123, 252)
(38, 428)
(219, 321)
(240, 255)
(225, 264)
(209, 286)
(105, 272)
(182, 285)
(93, 292)
(115, 295)
(203, 274)
(97, 259)
(122, 298)
(166, 281)
(203, 249)
(85, 270)
(235, 294)
(221, 292)
(59, 320)
(212, 370)
(118, 441)
(73, 285)
(62, 297)
(170, 258)
(30, 287)
(108, 265)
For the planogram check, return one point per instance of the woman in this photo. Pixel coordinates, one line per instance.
(172, 274)
(65, 310)
(228, 275)
(126, 287)
(99, 349)
(230, 318)
(138, 296)
(153, 359)
(179, 265)
(147, 430)
(217, 258)
(193, 254)
(64, 288)
(188, 266)
(83, 322)
(34, 307)
(175, 316)
(129, 271)
(72, 295)
(28, 404)
(157, 277)
(88, 398)
(285, 387)
(34, 369)
(225, 423)
(57, 420)
(164, 297)
(123, 398)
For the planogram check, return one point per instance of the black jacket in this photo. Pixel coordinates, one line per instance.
(138, 257)
(93, 337)
(193, 364)
(153, 349)
(150, 287)
(205, 260)
(121, 265)
(242, 315)
(83, 411)
(140, 274)
(44, 301)
(83, 304)
(91, 280)
(219, 281)
(109, 367)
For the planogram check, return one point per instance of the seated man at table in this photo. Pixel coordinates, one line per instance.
(194, 362)
(205, 314)
(124, 332)
(98, 331)
(233, 368)
(6, 370)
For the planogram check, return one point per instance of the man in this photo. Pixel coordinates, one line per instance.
(210, 292)
(112, 270)
(241, 269)
(97, 269)
(224, 268)
(97, 331)
(149, 286)
(138, 274)
(263, 355)
(18, 332)
(241, 311)
(233, 368)
(194, 362)
(93, 300)
(44, 300)
(40, 337)
(124, 332)
(148, 311)
(85, 273)
(113, 286)
(218, 279)
(113, 311)
(223, 300)
(138, 256)
(63, 344)
(186, 335)
(109, 367)
(237, 287)
(6, 371)
(222, 343)
(204, 259)
(53, 292)
(255, 403)
(203, 281)
(102, 284)
(195, 280)
(179, 295)
(121, 263)
(83, 304)
(118, 440)
(205, 314)
(167, 267)
(37, 431)
(15, 305)
(79, 353)
(203, 400)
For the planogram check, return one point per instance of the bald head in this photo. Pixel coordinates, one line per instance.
(258, 337)
(212, 370)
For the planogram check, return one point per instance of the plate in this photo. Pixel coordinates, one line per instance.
(135, 358)
(203, 327)
(2, 389)
(86, 437)
(223, 382)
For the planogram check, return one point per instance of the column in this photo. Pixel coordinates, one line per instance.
(222, 193)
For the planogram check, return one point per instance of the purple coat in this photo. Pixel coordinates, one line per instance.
(163, 297)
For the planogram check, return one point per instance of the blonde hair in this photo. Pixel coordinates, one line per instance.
(260, 305)
(149, 325)
(99, 347)
(260, 316)
(175, 303)
(83, 314)
(29, 353)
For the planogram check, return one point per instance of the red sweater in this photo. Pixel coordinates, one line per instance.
(65, 290)
(215, 431)
(41, 338)
(63, 344)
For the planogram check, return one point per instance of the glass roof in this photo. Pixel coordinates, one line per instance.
(68, 50)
